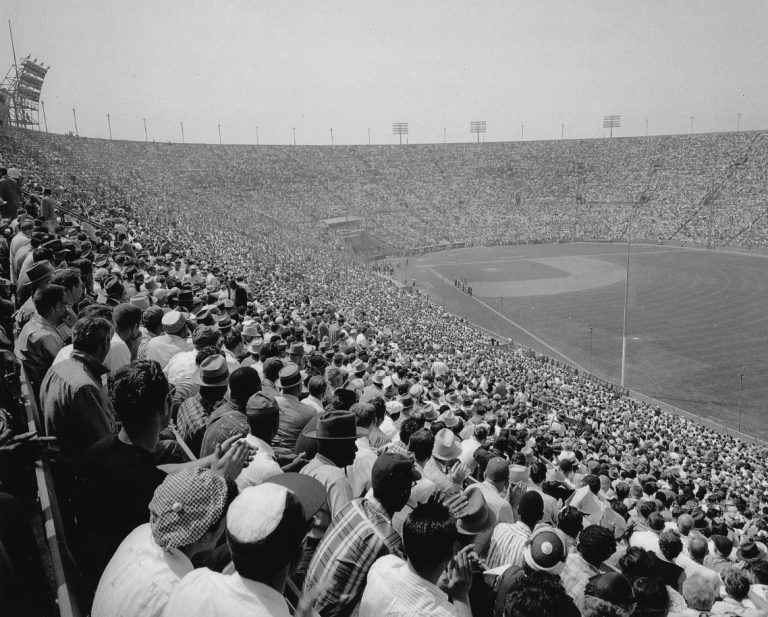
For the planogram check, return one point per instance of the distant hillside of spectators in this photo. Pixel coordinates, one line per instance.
(708, 187)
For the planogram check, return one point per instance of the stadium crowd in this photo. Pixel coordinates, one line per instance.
(240, 416)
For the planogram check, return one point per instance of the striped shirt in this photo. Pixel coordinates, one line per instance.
(575, 575)
(360, 534)
(508, 544)
(395, 590)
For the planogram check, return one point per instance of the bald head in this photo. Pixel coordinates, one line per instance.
(697, 548)
(685, 524)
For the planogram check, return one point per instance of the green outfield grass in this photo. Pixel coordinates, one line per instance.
(695, 317)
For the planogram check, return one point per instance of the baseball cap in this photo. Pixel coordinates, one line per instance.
(391, 466)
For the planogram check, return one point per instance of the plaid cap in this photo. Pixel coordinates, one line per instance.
(185, 506)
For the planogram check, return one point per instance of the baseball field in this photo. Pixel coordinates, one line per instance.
(696, 319)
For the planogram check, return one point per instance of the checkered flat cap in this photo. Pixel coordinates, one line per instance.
(185, 506)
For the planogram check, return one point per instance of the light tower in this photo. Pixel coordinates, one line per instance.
(477, 126)
(400, 129)
(611, 122)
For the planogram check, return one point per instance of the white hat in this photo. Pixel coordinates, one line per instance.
(447, 446)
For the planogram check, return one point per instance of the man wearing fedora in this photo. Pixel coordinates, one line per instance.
(335, 434)
(294, 414)
(213, 379)
(359, 535)
(444, 467)
(376, 387)
(39, 274)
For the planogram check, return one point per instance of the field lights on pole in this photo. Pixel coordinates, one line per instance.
(611, 122)
(477, 126)
(400, 129)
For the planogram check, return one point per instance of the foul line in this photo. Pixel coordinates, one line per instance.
(516, 325)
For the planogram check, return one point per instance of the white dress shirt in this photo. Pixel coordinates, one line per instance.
(204, 593)
(118, 355)
(313, 401)
(139, 578)
(395, 590)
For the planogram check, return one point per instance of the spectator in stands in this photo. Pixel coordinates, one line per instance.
(735, 602)
(40, 341)
(538, 474)
(596, 544)
(316, 387)
(651, 596)
(540, 594)
(75, 407)
(186, 518)
(151, 326)
(265, 526)
(10, 193)
(570, 522)
(21, 246)
(719, 559)
(360, 534)
(172, 341)
(637, 563)
(120, 473)
(127, 321)
(417, 586)
(509, 540)
(38, 274)
(494, 489)
(335, 434)
(294, 414)
(693, 562)
(195, 412)
(230, 418)
(263, 417)
(444, 468)
(699, 595)
(670, 547)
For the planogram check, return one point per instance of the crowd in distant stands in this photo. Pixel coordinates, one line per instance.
(240, 416)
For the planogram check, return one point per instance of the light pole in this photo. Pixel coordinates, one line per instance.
(626, 299)
(219, 134)
(109, 124)
(257, 135)
(74, 115)
(44, 118)
(182, 131)
(294, 135)
(146, 137)
(331, 136)
(741, 381)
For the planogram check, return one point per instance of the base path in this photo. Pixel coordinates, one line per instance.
(579, 274)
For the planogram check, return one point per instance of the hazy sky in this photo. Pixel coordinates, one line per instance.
(355, 65)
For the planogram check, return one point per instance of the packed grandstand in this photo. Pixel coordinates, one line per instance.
(163, 300)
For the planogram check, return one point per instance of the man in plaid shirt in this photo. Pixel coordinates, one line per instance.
(213, 379)
(360, 534)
